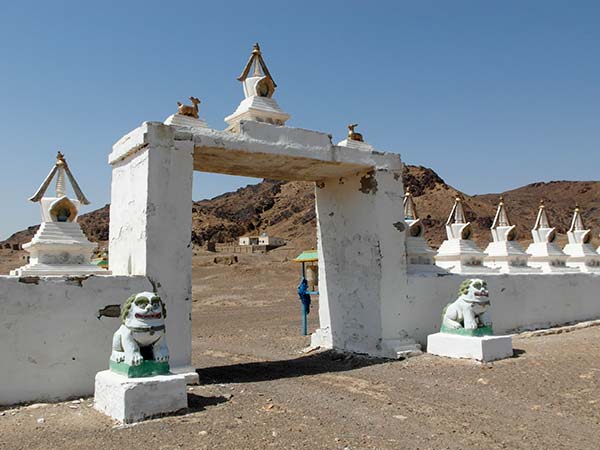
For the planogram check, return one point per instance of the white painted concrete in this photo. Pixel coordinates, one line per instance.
(485, 349)
(362, 262)
(52, 342)
(131, 400)
(518, 302)
(185, 122)
(150, 224)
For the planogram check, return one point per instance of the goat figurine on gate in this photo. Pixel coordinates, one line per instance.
(186, 110)
(352, 135)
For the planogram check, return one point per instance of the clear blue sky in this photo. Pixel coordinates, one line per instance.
(492, 95)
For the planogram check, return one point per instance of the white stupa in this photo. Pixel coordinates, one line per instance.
(259, 87)
(419, 255)
(458, 253)
(59, 247)
(580, 252)
(543, 252)
(504, 252)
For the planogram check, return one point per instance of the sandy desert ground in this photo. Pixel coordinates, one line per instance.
(259, 391)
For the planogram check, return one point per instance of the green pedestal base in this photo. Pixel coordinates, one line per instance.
(481, 331)
(145, 369)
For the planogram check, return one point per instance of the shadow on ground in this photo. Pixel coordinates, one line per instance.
(322, 362)
(199, 403)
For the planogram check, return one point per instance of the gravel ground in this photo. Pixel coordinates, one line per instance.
(259, 391)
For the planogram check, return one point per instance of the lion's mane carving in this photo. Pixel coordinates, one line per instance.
(142, 331)
(469, 310)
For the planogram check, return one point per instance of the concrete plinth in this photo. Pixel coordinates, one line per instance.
(131, 400)
(486, 348)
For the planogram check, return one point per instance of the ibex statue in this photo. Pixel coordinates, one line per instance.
(186, 110)
(352, 135)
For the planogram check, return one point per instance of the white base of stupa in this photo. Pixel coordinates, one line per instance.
(508, 257)
(583, 266)
(485, 348)
(259, 109)
(52, 270)
(179, 120)
(131, 400)
(59, 249)
(583, 257)
(548, 257)
(461, 256)
(359, 145)
(510, 266)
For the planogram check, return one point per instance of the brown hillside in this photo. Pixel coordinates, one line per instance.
(286, 209)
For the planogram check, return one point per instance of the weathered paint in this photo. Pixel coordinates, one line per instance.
(150, 224)
(52, 342)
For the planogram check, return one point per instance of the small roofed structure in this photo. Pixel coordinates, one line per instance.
(418, 252)
(543, 251)
(458, 253)
(259, 87)
(505, 252)
(59, 247)
(580, 252)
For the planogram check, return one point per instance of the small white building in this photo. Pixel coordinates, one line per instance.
(249, 240)
(263, 239)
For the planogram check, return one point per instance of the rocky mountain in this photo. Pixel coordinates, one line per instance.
(286, 209)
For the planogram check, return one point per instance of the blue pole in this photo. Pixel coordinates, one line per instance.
(304, 299)
(304, 319)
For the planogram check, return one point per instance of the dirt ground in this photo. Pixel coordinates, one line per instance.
(258, 391)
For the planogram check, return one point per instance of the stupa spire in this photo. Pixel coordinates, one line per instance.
(457, 215)
(256, 62)
(577, 221)
(501, 219)
(410, 209)
(542, 217)
(60, 169)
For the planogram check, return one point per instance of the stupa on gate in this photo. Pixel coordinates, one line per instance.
(504, 252)
(59, 247)
(259, 87)
(458, 253)
(543, 252)
(419, 255)
(580, 252)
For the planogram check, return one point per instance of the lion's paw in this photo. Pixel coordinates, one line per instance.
(135, 360)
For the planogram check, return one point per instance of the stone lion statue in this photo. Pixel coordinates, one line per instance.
(469, 310)
(141, 335)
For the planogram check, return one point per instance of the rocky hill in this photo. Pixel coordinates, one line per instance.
(286, 209)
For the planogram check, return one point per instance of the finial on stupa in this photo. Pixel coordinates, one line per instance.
(577, 221)
(410, 209)
(60, 169)
(260, 67)
(541, 220)
(457, 215)
(501, 219)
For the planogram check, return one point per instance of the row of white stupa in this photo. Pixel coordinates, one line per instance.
(459, 254)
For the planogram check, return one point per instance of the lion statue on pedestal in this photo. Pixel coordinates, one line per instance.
(470, 310)
(141, 336)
